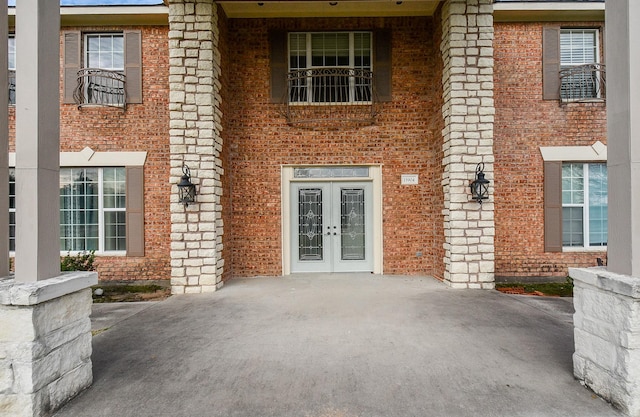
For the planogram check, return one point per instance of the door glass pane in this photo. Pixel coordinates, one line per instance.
(331, 172)
(310, 224)
(352, 223)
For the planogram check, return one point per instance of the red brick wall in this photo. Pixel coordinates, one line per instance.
(524, 122)
(142, 127)
(225, 200)
(406, 139)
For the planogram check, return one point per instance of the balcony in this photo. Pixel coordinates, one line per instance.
(98, 87)
(583, 83)
(330, 96)
(12, 87)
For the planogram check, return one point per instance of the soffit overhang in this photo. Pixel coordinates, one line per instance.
(548, 12)
(341, 8)
(109, 16)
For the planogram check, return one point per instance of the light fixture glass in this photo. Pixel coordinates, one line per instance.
(480, 186)
(186, 190)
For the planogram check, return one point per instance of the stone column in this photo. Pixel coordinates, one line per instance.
(45, 338)
(468, 112)
(607, 301)
(196, 115)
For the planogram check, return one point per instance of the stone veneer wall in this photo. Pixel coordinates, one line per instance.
(195, 138)
(45, 343)
(468, 112)
(607, 335)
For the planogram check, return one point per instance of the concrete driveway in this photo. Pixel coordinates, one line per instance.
(339, 346)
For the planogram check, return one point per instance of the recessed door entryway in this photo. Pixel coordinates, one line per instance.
(332, 226)
(332, 219)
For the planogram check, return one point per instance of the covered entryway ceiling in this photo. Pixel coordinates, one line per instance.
(328, 8)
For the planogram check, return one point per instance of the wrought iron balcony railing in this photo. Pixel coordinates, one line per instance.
(100, 87)
(583, 83)
(12, 87)
(330, 95)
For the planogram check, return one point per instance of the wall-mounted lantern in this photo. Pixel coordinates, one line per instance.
(186, 190)
(480, 187)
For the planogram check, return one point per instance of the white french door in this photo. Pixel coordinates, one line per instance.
(331, 226)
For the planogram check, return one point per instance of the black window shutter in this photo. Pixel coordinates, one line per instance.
(279, 65)
(553, 206)
(551, 63)
(382, 63)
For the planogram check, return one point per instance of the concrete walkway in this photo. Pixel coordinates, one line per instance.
(338, 346)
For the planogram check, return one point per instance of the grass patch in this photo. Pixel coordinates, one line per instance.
(97, 332)
(553, 289)
(130, 292)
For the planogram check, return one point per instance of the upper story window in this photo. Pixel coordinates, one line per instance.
(330, 79)
(105, 51)
(571, 64)
(103, 80)
(102, 68)
(580, 73)
(12, 68)
(330, 67)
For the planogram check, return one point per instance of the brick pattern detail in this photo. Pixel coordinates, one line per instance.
(142, 127)
(196, 140)
(468, 112)
(524, 123)
(405, 140)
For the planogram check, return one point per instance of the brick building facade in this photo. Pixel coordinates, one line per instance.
(458, 82)
(141, 127)
(525, 122)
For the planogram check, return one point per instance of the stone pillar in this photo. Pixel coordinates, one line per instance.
(607, 301)
(196, 115)
(468, 112)
(37, 140)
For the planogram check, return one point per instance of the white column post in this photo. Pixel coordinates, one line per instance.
(45, 330)
(607, 301)
(37, 140)
(4, 143)
(623, 128)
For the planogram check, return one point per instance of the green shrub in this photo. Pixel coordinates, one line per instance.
(82, 261)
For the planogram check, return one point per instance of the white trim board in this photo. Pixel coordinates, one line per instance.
(90, 158)
(595, 152)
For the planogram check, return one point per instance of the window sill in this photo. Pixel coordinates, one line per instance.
(596, 100)
(331, 103)
(573, 249)
(12, 254)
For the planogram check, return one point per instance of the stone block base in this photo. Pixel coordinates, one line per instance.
(607, 335)
(45, 343)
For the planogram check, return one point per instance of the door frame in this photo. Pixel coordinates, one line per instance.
(287, 177)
